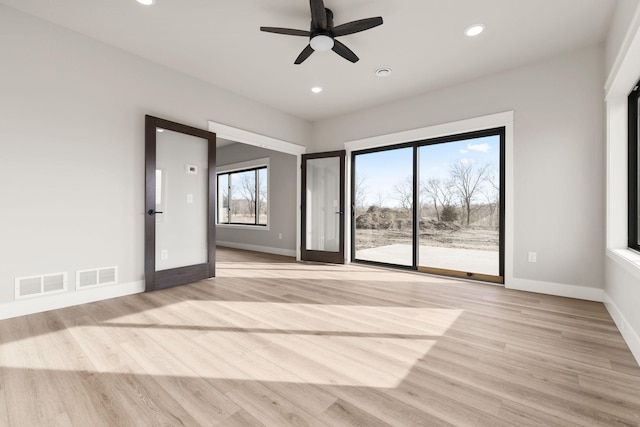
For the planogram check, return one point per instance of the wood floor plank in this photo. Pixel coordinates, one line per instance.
(271, 408)
(4, 411)
(523, 415)
(204, 402)
(386, 408)
(343, 413)
(240, 419)
(273, 342)
(33, 396)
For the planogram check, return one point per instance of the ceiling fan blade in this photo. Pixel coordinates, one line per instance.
(318, 14)
(287, 31)
(304, 55)
(356, 26)
(344, 51)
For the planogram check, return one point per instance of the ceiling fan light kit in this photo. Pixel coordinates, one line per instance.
(322, 34)
(321, 43)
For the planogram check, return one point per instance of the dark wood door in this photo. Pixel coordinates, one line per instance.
(179, 204)
(323, 180)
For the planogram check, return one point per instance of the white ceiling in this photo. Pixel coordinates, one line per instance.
(421, 40)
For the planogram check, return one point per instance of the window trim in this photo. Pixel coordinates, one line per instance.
(633, 196)
(263, 163)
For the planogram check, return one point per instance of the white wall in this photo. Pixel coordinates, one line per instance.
(282, 202)
(622, 289)
(72, 150)
(558, 159)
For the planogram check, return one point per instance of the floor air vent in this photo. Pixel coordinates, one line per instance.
(40, 285)
(96, 277)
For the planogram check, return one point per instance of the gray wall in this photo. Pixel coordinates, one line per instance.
(558, 156)
(72, 147)
(282, 200)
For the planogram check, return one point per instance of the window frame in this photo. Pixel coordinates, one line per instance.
(633, 167)
(229, 170)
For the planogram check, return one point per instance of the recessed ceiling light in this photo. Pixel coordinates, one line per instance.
(146, 2)
(474, 30)
(160, 130)
(316, 89)
(383, 71)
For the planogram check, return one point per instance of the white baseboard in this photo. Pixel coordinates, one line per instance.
(557, 289)
(68, 299)
(256, 248)
(630, 336)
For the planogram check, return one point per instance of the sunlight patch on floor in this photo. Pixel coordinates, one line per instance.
(305, 273)
(260, 341)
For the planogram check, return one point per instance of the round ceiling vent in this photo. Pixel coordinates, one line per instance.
(383, 71)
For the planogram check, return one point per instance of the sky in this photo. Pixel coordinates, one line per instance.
(384, 169)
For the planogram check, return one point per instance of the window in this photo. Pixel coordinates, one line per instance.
(634, 177)
(242, 197)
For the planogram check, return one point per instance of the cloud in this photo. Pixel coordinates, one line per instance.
(483, 148)
(463, 151)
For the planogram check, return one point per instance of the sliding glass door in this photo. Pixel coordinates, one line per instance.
(434, 205)
(460, 209)
(383, 206)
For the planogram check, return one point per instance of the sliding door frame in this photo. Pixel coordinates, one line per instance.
(499, 131)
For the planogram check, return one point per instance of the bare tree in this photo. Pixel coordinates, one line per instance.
(431, 190)
(403, 192)
(224, 211)
(491, 193)
(360, 195)
(248, 191)
(380, 198)
(467, 179)
(438, 193)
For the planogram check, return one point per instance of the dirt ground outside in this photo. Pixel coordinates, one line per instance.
(476, 238)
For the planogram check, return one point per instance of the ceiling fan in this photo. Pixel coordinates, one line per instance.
(322, 33)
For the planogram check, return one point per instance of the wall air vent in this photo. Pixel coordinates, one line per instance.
(96, 277)
(32, 286)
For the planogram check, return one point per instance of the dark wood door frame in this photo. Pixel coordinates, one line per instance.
(155, 280)
(322, 256)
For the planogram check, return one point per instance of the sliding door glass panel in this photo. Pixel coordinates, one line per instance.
(383, 206)
(459, 196)
(181, 200)
(323, 204)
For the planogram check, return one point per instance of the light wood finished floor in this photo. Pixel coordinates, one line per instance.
(276, 343)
